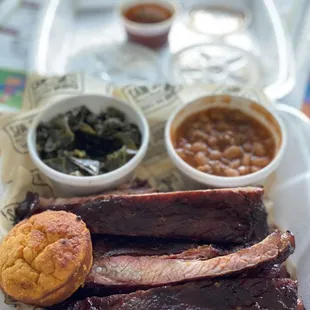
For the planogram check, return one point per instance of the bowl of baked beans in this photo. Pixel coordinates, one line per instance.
(226, 141)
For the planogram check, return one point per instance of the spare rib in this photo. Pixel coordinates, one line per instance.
(134, 272)
(213, 216)
(246, 294)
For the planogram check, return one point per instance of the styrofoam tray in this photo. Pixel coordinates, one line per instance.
(291, 195)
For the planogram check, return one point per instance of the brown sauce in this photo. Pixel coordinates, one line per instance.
(224, 142)
(148, 13)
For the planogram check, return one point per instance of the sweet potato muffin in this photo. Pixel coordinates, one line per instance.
(44, 259)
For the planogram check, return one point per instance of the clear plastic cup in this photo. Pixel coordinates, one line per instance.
(155, 34)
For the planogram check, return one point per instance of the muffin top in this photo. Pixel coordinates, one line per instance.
(44, 259)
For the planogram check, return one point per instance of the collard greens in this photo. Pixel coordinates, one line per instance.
(81, 143)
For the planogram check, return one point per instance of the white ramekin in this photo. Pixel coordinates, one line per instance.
(69, 185)
(265, 114)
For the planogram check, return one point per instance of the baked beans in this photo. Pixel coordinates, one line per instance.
(224, 142)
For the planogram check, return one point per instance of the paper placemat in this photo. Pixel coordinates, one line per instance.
(19, 174)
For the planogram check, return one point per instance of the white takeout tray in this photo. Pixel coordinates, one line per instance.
(291, 196)
(69, 31)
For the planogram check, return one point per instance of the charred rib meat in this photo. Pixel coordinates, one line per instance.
(246, 294)
(134, 272)
(213, 216)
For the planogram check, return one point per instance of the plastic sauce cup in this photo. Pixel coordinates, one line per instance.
(152, 34)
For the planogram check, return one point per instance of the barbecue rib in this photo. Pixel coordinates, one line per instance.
(108, 246)
(246, 294)
(114, 246)
(135, 272)
(214, 216)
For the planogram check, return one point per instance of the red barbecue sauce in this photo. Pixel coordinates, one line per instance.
(148, 13)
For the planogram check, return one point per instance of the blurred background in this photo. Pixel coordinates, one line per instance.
(20, 22)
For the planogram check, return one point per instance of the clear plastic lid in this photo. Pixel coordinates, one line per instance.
(121, 64)
(216, 20)
(214, 63)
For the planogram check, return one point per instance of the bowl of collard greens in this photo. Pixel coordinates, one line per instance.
(88, 143)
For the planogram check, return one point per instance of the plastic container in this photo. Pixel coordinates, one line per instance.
(302, 45)
(268, 116)
(219, 20)
(68, 29)
(7, 7)
(153, 35)
(74, 185)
